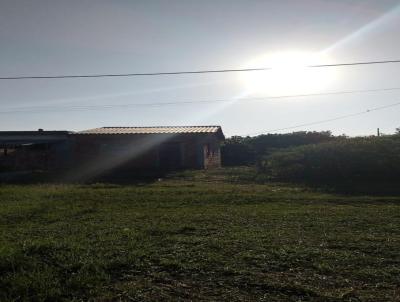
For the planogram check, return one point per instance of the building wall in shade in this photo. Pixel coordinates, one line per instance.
(94, 153)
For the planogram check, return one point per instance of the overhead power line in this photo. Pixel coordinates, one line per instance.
(187, 102)
(169, 73)
(327, 120)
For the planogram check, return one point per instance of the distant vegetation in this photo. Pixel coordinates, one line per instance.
(318, 157)
(346, 159)
(239, 150)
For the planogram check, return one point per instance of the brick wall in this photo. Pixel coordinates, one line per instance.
(212, 153)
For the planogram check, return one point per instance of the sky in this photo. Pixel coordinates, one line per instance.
(58, 37)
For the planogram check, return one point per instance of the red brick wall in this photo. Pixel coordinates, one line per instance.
(212, 153)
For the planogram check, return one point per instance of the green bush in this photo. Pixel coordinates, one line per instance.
(370, 158)
(238, 151)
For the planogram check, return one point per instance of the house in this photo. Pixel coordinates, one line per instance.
(99, 150)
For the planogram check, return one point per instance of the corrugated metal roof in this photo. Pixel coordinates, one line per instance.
(153, 130)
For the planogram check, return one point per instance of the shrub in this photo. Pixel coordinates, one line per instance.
(239, 150)
(362, 159)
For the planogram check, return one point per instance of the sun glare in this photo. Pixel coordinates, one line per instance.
(289, 74)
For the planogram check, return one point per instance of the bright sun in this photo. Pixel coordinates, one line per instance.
(288, 74)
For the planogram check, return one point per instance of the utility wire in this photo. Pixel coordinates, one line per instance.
(328, 120)
(112, 75)
(169, 103)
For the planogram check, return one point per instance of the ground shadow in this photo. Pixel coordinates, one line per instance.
(60, 177)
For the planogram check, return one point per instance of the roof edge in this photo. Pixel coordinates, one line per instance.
(161, 130)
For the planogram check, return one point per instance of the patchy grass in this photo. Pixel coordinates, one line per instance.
(197, 236)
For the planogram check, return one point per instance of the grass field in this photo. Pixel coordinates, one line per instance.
(197, 237)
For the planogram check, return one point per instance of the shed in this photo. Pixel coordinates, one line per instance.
(157, 148)
(94, 152)
(33, 150)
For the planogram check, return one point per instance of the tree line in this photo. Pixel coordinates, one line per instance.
(317, 156)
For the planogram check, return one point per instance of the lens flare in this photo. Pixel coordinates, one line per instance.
(288, 74)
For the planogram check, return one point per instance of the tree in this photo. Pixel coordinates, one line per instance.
(398, 130)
